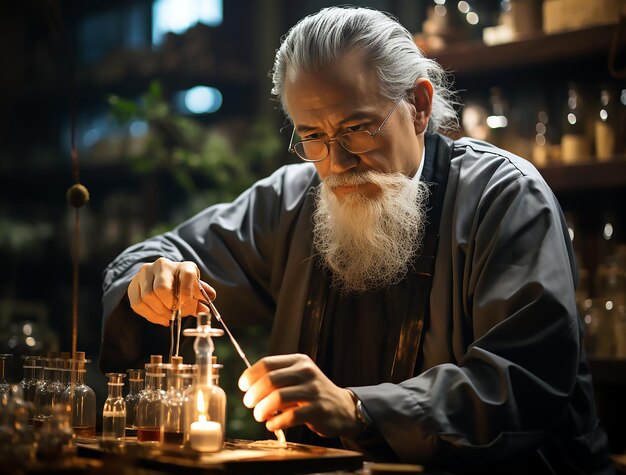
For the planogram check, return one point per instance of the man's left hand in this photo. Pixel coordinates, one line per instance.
(290, 390)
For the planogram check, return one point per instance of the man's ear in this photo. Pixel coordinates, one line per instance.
(422, 101)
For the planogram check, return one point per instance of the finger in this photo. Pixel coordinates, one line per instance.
(201, 308)
(267, 364)
(163, 285)
(281, 400)
(207, 288)
(150, 298)
(187, 281)
(141, 308)
(277, 379)
(290, 418)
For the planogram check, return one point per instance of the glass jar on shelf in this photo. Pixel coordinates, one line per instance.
(204, 400)
(606, 125)
(5, 387)
(598, 338)
(575, 144)
(149, 403)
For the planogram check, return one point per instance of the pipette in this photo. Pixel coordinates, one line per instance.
(280, 436)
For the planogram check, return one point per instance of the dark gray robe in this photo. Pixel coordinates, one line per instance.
(502, 380)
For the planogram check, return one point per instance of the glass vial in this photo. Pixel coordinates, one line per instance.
(31, 367)
(202, 433)
(5, 387)
(575, 145)
(114, 412)
(172, 409)
(135, 386)
(81, 399)
(150, 400)
(606, 126)
(46, 398)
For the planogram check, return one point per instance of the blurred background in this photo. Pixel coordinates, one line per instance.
(174, 113)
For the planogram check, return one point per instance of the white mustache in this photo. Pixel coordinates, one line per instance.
(355, 179)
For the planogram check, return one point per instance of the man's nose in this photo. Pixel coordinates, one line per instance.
(340, 159)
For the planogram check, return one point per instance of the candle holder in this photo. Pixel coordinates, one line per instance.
(204, 432)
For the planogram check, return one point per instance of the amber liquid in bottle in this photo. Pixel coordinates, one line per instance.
(148, 434)
(85, 432)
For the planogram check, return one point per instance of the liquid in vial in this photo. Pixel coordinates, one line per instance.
(113, 425)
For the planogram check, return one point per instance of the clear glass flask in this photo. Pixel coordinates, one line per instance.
(114, 412)
(172, 409)
(217, 408)
(202, 432)
(150, 400)
(46, 394)
(135, 386)
(5, 387)
(31, 367)
(81, 399)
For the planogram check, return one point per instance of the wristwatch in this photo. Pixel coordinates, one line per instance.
(359, 411)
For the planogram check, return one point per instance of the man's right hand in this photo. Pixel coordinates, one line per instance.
(151, 292)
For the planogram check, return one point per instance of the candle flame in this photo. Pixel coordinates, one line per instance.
(200, 403)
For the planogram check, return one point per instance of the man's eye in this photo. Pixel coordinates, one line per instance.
(312, 136)
(356, 128)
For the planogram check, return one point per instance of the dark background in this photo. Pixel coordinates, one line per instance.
(149, 163)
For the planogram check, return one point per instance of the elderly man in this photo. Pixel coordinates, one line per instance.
(421, 290)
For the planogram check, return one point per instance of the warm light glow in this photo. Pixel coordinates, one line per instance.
(497, 121)
(540, 128)
(30, 341)
(604, 115)
(571, 118)
(609, 305)
(463, 7)
(27, 329)
(440, 10)
(540, 139)
(200, 404)
(472, 18)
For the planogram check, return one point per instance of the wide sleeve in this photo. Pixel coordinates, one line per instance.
(515, 289)
(236, 247)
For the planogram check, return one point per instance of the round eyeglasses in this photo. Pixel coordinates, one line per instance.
(316, 150)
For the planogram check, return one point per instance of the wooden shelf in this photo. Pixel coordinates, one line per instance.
(586, 176)
(468, 58)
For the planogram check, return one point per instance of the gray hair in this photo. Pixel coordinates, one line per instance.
(319, 39)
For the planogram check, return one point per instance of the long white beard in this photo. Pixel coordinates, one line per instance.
(368, 242)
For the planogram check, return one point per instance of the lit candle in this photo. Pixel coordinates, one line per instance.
(205, 436)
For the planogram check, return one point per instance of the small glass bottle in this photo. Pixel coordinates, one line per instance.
(202, 433)
(149, 404)
(31, 378)
(172, 415)
(31, 368)
(606, 125)
(217, 407)
(81, 399)
(46, 394)
(135, 386)
(575, 145)
(5, 387)
(114, 412)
